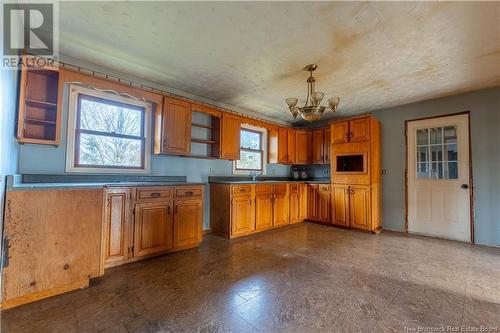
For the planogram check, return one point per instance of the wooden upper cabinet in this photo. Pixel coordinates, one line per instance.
(230, 137)
(303, 147)
(327, 143)
(360, 207)
(317, 147)
(242, 215)
(188, 222)
(355, 130)
(303, 201)
(176, 129)
(153, 228)
(40, 102)
(291, 146)
(340, 205)
(263, 211)
(359, 130)
(118, 234)
(282, 145)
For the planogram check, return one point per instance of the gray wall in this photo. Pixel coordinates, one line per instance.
(484, 107)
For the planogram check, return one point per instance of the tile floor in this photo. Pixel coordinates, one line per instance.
(302, 278)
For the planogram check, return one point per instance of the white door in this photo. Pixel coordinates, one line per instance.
(438, 177)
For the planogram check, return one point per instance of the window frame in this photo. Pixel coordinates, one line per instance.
(74, 131)
(263, 150)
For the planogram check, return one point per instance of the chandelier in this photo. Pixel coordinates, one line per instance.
(312, 110)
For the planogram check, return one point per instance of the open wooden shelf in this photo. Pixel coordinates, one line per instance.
(40, 122)
(43, 104)
(201, 125)
(208, 142)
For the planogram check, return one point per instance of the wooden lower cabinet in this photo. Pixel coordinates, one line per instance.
(312, 202)
(153, 228)
(263, 211)
(303, 193)
(148, 221)
(118, 226)
(188, 223)
(294, 203)
(340, 205)
(359, 207)
(323, 203)
(242, 216)
(281, 208)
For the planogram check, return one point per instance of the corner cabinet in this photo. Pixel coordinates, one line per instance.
(147, 221)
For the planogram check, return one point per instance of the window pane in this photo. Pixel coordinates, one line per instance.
(450, 170)
(423, 154)
(422, 172)
(436, 135)
(422, 137)
(103, 117)
(450, 152)
(437, 153)
(450, 134)
(250, 140)
(109, 151)
(249, 160)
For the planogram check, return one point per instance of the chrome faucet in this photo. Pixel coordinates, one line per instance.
(256, 174)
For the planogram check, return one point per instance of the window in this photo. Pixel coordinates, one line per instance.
(437, 156)
(107, 133)
(252, 152)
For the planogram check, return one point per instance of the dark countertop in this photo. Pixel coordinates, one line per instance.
(266, 180)
(49, 182)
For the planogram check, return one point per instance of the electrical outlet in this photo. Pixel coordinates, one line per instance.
(211, 170)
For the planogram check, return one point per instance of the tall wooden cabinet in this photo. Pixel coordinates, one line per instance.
(176, 127)
(230, 137)
(356, 173)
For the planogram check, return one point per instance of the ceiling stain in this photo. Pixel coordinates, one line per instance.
(252, 54)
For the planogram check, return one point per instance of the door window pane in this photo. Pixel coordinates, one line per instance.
(437, 153)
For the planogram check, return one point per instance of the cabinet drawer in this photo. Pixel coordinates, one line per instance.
(264, 189)
(324, 188)
(149, 193)
(280, 188)
(188, 192)
(241, 189)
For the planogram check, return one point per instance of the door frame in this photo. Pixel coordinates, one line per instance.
(471, 179)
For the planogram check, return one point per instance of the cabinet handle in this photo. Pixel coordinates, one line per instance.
(242, 190)
(108, 201)
(353, 191)
(189, 193)
(176, 209)
(250, 202)
(168, 210)
(346, 191)
(155, 194)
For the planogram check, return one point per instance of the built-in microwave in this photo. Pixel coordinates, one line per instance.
(350, 163)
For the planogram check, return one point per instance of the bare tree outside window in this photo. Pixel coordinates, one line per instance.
(251, 152)
(109, 134)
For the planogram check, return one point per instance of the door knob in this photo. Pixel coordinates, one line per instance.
(464, 186)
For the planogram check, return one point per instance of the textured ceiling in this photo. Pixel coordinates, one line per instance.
(251, 54)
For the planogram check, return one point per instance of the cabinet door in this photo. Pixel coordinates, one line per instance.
(303, 147)
(303, 202)
(282, 145)
(312, 200)
(323, 213)
(340, 132)
(281, 209)
(340, 205)
(291, 146)
(317, 147)
(242, 215)
(153, 228)
(327, 146)
(294, 206)
(188, 222)
(263, 211)
(117, 227)
(230, 137)
(359, 130)
(359, 207)
(176, 127)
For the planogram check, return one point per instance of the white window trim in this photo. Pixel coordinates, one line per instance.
(264, 151)
(74, 91)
